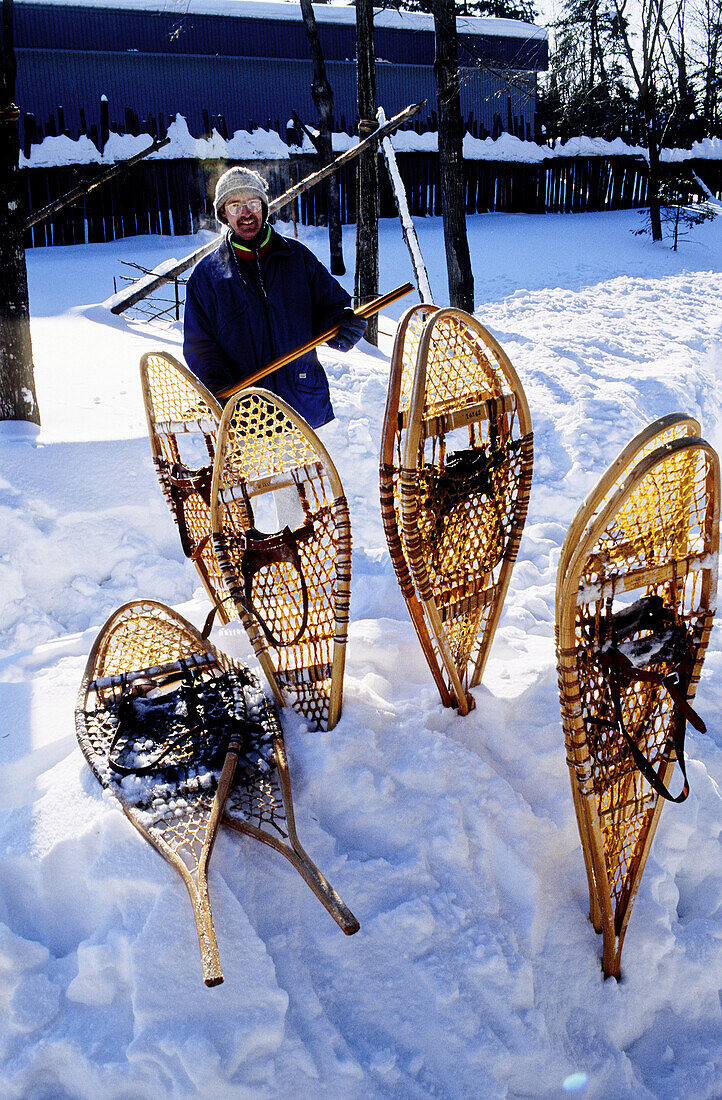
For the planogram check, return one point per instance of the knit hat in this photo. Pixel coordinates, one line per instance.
(236, 181)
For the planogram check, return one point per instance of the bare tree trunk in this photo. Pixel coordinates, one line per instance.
(323, 98)
(646, 75)
(653, 144)
(711, 18)
(367, 178)
(17, 383)
(451, 160)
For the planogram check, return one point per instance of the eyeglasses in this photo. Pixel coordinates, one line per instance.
(253, 206)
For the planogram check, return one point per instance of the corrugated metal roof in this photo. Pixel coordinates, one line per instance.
(252, 70)
(53, 26)
(325, 14)
(248, 92)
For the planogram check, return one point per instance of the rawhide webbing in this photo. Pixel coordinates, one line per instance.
(258, 550)
(466, 474)
(273, 549)
(628, 659)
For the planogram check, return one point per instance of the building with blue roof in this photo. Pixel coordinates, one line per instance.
(242, 64)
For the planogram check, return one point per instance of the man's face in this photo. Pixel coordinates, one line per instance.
(244, 214)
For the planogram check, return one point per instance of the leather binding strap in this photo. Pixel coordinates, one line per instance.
(258, 551)
(650, 612)
(261, 550)
(178, 724)
(183, 484)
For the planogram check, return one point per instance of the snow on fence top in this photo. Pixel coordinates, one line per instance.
(259, 145)
(324, 13)
(267, 145)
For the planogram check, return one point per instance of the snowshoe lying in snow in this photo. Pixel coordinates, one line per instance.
(184, 738)
(455, 475)
(629, 667)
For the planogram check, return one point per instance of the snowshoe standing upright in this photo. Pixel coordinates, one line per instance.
(183, 418)
(636, 593)
(455, 474)
(291, 587)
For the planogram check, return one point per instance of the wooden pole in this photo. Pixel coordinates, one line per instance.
(408, 229)
(365, 311)
(84, 188)
(288, 196)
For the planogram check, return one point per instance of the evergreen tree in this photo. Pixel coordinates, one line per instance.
(524, 10)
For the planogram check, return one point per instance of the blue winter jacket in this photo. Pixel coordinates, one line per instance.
(237, 321)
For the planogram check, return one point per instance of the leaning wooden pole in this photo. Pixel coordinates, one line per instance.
(408, 229)
(85, 188)
(283, 200)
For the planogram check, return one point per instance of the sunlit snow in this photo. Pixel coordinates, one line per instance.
(476, 972)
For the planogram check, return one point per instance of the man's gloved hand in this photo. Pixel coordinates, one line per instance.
(352, 329)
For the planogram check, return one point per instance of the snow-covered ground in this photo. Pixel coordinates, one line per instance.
(476, 973)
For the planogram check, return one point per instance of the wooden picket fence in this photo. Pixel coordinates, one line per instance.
(175, 196)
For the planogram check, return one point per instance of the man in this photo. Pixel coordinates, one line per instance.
(258, 296)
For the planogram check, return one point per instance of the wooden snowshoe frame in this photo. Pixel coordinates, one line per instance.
(178, 406)
(654, 435)
(650, 528)
(264, 446)
(398, 399)
(145, 639)
(262, 807)
(453, 540)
